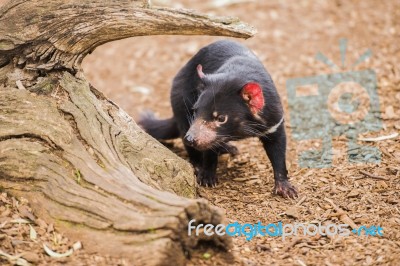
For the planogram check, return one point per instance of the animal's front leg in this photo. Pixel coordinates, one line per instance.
(195, 158)
(206, 176)
(275, 147)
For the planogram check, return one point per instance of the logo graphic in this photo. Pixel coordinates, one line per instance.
(339, 104)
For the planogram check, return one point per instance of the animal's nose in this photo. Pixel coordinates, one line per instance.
(189, 140)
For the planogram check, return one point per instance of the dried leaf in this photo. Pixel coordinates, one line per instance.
(32, 233)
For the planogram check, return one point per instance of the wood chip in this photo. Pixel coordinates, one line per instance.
(41, 223)
(24, 211)
(77, 245)
(20, 85)
(353, 194)
(293, 212)
(31, 257)
(342, 214)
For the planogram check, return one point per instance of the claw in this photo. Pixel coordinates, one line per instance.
(206, 179)
(285, 189)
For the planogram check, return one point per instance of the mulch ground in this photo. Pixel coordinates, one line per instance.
(137, 73)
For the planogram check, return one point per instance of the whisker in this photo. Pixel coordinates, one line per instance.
(253, 131)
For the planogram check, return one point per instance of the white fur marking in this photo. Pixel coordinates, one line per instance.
(273, 128)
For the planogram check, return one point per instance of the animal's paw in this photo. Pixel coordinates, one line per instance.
(285, 189)
(206, 179)
(226, 148)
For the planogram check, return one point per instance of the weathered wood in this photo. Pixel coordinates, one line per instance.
(81, 160)
(59, 34)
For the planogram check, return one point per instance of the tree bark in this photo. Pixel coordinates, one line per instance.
(81, 160)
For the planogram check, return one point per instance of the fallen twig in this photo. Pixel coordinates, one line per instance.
(371, 176)
(301, 201)
(392, 136)
(342, 214)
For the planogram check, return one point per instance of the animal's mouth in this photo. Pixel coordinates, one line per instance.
(203, 147)
(199, 146)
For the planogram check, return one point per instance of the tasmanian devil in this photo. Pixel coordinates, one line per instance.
(222, 94)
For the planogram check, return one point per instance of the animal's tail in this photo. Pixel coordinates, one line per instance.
(157, 128)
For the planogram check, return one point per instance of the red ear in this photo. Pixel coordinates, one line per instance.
(253, 95)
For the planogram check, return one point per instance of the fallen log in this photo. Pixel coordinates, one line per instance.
(79, 159)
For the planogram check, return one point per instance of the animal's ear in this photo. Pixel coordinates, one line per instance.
(201, 86)
(200, 72)
(253, 95)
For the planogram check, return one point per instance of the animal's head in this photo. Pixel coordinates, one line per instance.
(223, 105)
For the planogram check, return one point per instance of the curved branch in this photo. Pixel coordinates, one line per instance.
(61, 33)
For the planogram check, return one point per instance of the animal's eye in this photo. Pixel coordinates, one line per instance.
(221, 119)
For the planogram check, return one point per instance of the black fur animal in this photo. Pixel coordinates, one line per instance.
(234, 98)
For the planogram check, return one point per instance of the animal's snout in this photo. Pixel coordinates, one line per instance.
(200, 135)
(189, 140)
